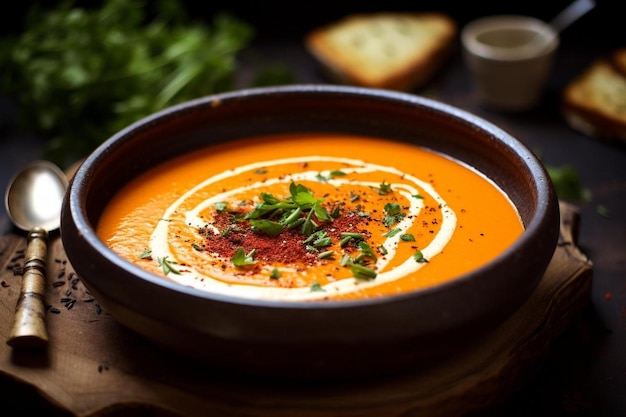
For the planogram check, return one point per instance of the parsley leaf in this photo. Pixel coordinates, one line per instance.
(79, 75)
(567, 184)
(240, 258)
(167, 266)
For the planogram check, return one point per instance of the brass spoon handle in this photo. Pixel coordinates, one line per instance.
(29, 328)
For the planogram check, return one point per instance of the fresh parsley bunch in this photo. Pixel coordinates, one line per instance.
(79, 75)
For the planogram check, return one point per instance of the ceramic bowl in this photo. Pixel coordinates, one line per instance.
(311, 339)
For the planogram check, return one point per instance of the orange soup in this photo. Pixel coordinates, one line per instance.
(310, 217)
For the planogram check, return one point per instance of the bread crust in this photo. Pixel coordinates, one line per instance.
(391, 50)
(594, 102)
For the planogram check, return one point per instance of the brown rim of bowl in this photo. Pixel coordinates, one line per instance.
(545, 204)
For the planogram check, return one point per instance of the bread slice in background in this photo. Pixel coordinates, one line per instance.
(391, 50)
(594, 102)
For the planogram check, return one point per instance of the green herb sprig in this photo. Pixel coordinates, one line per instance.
(167, 266)
(79, 75)
(288, 211)
(567, 184)
(242, 259)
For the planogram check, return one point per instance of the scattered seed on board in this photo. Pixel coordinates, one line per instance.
(18, 257)
(103, 367)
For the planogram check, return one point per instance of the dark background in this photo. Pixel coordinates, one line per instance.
(291, 19)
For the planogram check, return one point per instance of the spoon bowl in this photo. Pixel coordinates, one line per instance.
(33, 198)
(33, 202)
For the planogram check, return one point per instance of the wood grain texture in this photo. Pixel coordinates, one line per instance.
(93, 366)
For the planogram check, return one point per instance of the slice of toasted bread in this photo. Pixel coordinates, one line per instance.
(392, 50)
(595, 102)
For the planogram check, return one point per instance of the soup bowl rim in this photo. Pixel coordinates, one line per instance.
(90, 236)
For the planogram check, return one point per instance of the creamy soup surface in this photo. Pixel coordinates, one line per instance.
(310, 217)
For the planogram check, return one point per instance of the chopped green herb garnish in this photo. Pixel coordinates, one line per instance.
(345, 240)
(419, 257)
(392, 233)
(363, 272)
(308, 226)
(392, 208)
(197, 247)
(220, 206)
(352, 235)
(240, 258)
(289, 210)
(296, 223)
(393, 213)
(367, 250)
(384, 188)
(322, 242)
(331, 175)
(326, 255)
(407, 237)
(275, 274)
(316, 235)
(147, 254)
(267, 226)
(345, 260)
(291, 216)
(321, 178)
(389, 221)
(316, 287)
(320, 211)
(167, 265)
(336, 173)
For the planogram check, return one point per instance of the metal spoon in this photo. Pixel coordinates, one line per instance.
(571, 13)
(33, 202)
(567, 16)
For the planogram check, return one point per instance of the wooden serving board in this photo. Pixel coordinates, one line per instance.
(94, 366)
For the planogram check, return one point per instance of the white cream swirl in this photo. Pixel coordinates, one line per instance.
(410, 187)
